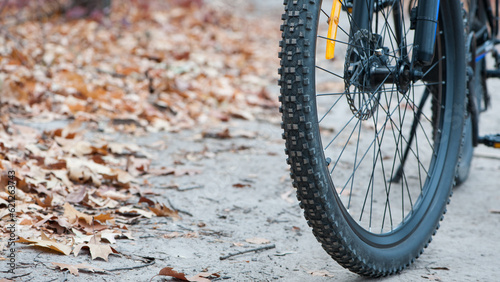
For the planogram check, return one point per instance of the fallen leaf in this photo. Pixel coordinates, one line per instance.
(46, 203)
(96, 250)
(150, 203)
(73, 269)
(258, 241)
(162, 210)
(77, 196)
(46, 242)
(322, 273)
(111, 194)
(111, 236)
(172, 235)
(200, 277)
(240, 185)
(218, 135)
(135, 212)
(74, 216)
(170, 272)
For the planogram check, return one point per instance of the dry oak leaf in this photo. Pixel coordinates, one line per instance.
(83, 170)
(96, 250)
(46, 242)
(73, 269)
(111, 236)
(74, 216)
(111, 194)
(200, 277)
(44, 204)
(162, 210)
(130, 211)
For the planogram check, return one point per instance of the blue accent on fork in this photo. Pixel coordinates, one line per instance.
(437, 17)
(480, 57)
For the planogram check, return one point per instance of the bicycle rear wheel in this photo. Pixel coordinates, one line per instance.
(476, 83)
(373, 162)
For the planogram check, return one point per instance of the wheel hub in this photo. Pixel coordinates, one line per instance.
(367, 68)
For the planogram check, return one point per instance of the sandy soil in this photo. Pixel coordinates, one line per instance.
(223, 217)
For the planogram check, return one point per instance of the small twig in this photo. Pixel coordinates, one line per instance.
(267, 247)
(20, 275)
(151, 262)
(210, 199)
(113, 74)
(189, 188)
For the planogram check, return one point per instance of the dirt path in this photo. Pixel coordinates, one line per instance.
(243, 192)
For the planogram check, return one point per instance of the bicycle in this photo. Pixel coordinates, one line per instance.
(380, 102)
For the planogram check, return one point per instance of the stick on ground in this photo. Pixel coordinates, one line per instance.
(267, 247)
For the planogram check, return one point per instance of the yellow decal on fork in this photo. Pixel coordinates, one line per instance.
(332, 29)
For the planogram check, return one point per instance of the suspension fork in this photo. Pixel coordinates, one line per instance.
(425, 32)
(426, 25)
(398, 26)
(362, 13)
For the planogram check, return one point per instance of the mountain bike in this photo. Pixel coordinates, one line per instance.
(380, 102)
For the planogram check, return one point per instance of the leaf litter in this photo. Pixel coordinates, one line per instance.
(159, 65)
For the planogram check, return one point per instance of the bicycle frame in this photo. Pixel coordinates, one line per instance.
(486, 38)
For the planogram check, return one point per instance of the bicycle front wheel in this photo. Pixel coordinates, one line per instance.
(373, 149)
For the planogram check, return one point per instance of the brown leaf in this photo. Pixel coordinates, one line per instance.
(146, 200)
(96, 250)
(73, 269)
(240, 185)
(200, 277)
(74, 216)
(137, 166)
(162, 210)
(218, 135)
(129, 211)
(111, 194)
(75, 84)
(170, 272)
(110, 236)
(46, 203)
(77, 196)
(46, 242)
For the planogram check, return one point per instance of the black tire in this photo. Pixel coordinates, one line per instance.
(345, 235)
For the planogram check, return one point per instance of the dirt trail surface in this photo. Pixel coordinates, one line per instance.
(237, 196)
